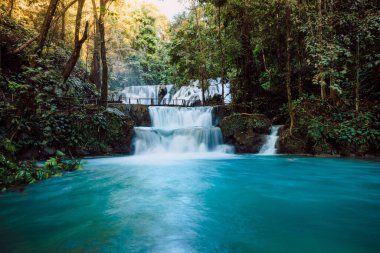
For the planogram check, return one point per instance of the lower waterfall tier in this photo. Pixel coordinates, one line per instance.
(182, 140)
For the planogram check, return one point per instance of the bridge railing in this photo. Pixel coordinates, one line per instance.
(157, 101)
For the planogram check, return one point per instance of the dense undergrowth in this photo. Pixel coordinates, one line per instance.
(13, 174)
(321, 128)
(40, 114)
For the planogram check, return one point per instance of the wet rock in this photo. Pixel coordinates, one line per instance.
(295, 144)
(139, 114)
(124, 144)
(246, 132)
(289, 144)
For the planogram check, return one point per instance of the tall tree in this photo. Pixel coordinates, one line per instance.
(46, 26)
(219, 4)
(77, 42)
(320, 40)
(11, 4)
(200, 58)
(357, 83)
(95, 75)
(103, 53)
(62, 34)
(288, 66)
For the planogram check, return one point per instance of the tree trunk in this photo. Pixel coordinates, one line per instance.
(300, 54)
(104, 90)
(28, 42)
(333, 92)
(95, 75)
(323, 92)
(77, 42)
(46, 26)
(323, 86)
(201, 68)
(203, 90)
(357, 84)
(75, 55)
(63, 25)
(246, 61)
(11, 5)
(221, 53)
(288, 67)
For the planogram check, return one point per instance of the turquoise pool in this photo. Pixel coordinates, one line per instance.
(207, 203)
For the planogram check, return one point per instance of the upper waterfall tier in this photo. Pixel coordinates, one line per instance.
(168, 95)
(180, 117)
(145, 93)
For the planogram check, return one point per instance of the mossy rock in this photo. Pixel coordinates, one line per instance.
(242, 122)
(290, 145)
(245, 131)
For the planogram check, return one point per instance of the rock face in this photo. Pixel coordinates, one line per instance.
(123, 145)
(245, 131)
(290, 145)
(139, 114)
(296, 145)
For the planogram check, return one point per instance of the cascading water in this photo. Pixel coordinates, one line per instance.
(180, 130)
(269, 147)
(193, 92)
(186, 95)
(145, 93)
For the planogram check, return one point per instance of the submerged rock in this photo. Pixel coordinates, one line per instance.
(245, 131)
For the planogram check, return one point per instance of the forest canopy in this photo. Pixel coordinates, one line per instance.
(312, 65)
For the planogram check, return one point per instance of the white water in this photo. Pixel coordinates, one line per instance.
(269, 147)
(143, 94)
(186, 95)
(193, 93)
(179, 130)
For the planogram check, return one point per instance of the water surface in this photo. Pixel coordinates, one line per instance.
(199, 203)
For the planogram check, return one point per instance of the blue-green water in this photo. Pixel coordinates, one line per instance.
(211, 204)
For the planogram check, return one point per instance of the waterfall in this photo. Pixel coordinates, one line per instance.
(193, 93)
(144, 93)
(269, 147)
(186, 95)
(179, 130)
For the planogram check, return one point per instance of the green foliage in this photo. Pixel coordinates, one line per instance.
(57, 163)
(147, 61)
(27, 172)
(330, 131)
(40, 114)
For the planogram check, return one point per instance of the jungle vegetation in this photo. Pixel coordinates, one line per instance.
(313, 65)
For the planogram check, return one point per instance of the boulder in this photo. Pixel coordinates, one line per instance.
(289, 144)
(123, 145)
(139, 114)
(245, 131)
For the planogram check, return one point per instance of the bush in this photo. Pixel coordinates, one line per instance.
(329, 131)
(26, 172)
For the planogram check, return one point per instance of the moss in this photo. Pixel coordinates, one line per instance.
(243, 122)
(322, 129)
